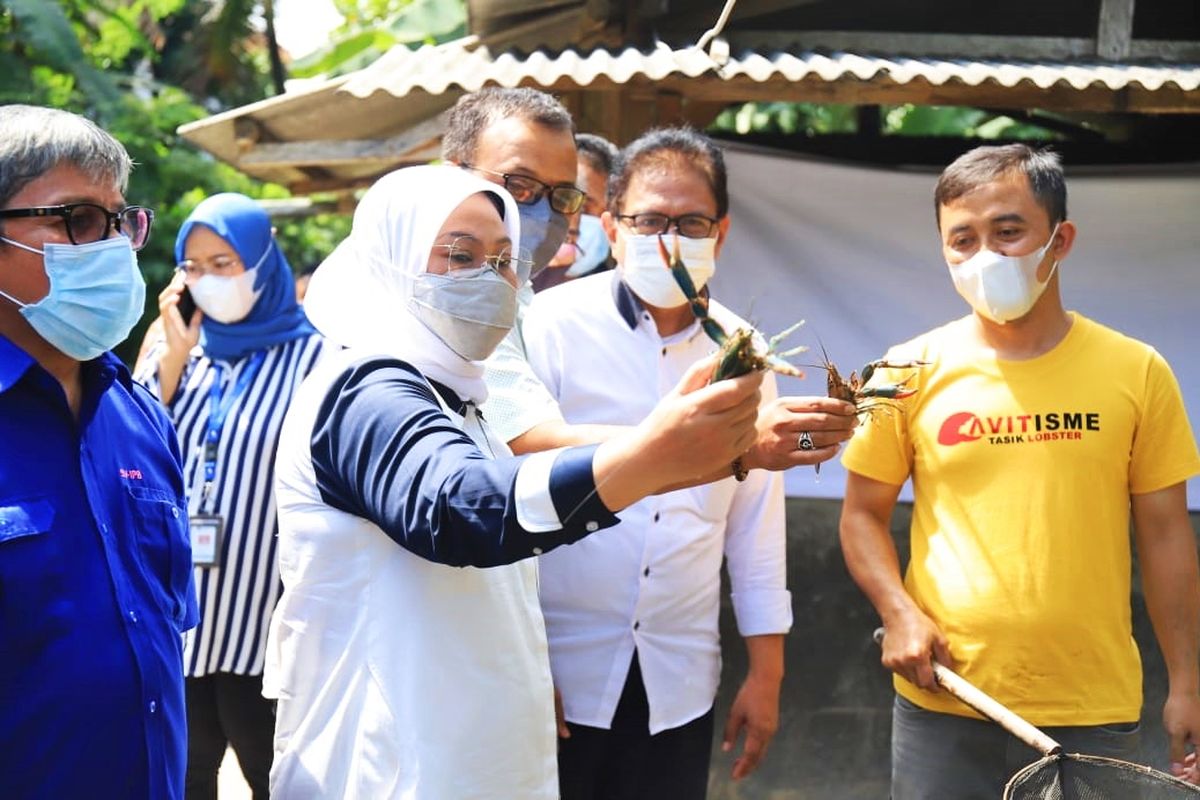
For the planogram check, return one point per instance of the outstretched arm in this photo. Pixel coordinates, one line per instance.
(1171, 581)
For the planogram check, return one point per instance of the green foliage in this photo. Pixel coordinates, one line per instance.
(806, 119)
(816, 119)
(911, 120)
(44, 33)
(372, 27)
(91, 57)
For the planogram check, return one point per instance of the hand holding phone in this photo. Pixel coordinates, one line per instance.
(186, 306)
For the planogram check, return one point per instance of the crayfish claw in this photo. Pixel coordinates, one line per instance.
(795, 351)
(776, 364)
(779, 337)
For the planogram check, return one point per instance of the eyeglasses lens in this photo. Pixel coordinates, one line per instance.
(135, 223)
(565, 199)
(87, 224)
(523, 190)
(688, 226)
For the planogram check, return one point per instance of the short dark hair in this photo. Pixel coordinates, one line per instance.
(990, 163)
(474, 112)
(599, 153)
(671, 147)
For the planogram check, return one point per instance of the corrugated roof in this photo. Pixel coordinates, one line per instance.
(436, 69)
(348, 130)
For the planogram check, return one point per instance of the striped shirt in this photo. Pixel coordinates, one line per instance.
(237, 596)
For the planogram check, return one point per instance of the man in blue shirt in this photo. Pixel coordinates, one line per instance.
(95, 564)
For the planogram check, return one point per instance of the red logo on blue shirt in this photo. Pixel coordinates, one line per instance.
(130, 474)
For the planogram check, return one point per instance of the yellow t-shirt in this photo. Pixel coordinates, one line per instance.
(1022, 473)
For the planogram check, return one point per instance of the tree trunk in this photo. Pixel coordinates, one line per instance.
(277, 74)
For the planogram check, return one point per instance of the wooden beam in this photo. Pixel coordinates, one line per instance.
(1164, 50)
(747, 9)
(924, 45)
(918, 45)
(246, 133)
(1133, 99)
(699, 114)
(669, 109)
(337, 183)
(334, 152)
(1114, 31)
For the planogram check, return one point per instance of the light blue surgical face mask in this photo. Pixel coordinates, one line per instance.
(592, 246)
(96, 296)
(543, 231)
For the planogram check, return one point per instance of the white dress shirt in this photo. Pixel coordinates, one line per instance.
(653, 581)
(517, 400)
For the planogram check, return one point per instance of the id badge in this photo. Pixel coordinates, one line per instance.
(206, 540)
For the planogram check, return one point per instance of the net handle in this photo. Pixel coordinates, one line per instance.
(987, 705)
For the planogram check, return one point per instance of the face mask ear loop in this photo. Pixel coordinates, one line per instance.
(267, 252)
(41, 253)
(13, 300)
(1046, 249)
(23, 246)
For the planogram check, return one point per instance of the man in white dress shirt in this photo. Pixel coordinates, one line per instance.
(632, 616)
(524, 140)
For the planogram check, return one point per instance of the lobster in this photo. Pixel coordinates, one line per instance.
(738, 353)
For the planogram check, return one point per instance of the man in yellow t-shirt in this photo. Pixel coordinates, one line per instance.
(1034, 436)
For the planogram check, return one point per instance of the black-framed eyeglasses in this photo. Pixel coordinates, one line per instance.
(564, 198)
(88, 222)
(692, 226)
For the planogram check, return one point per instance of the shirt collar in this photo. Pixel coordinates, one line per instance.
(14, 362)
(110, 367)
(627, 302)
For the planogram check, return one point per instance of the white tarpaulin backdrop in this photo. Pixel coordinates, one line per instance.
(854, 251)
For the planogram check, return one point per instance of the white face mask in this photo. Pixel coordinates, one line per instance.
(226, 299)
(644, 272)
(1002, 288)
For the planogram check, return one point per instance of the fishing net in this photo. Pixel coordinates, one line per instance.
(1079, 777)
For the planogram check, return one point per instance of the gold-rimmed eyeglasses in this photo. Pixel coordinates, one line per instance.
(466, 258)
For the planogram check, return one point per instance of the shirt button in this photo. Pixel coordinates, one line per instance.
(153, 706)
(133, 617)
(175, 512)
(537, 551)
(656, 514)
(637, 625)
(664, 352)
(646, 572)
(592, 526)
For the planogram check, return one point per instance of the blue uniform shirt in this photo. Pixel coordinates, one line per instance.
(95, 587)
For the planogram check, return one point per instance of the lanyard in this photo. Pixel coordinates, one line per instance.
(218, 410)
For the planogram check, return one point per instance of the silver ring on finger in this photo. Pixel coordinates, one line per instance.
(805, 441)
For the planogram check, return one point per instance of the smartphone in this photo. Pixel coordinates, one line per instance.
(187, 306)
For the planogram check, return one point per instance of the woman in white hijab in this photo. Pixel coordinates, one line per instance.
(408, 653)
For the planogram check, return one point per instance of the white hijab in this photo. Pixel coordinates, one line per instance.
(360, 295)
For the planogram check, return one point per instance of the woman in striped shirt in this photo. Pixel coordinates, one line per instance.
(227, 373)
